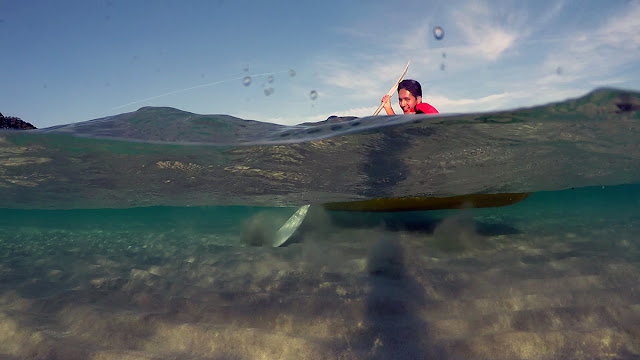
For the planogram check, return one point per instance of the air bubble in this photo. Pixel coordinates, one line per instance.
(270, 79)
(246, 81)
(438, 33)
(292, 72)
(268, 91)
(313, 95)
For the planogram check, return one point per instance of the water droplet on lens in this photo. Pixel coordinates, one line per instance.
(559, 70)
(438, 33)
(246, 81)
(313, 94)
(444, 55)
(442, 66)
(270, 79)
(292, 72)
(268, 91)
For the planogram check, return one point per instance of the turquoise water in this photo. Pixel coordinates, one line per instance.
(143, 250)
(219, 226)
(558, 269)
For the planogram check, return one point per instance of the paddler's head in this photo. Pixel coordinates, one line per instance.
(409, 95)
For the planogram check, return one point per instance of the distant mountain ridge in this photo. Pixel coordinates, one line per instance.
(12, 122)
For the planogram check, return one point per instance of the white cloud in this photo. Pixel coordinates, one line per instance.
(443, 101)
(362, 80)
(597, 52)
(551, 13)
(449, 105)
(608, 82)
(363, 76)
(357, 111)
(493, 60)
(557, 77)
(488, 34)
(520, 95)
(623, 29)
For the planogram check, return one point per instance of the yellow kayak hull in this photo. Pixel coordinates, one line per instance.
(422, 203)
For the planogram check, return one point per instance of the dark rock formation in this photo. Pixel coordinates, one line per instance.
(12, 122)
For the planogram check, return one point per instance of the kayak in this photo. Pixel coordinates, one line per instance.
(396, 204)
(422, 203)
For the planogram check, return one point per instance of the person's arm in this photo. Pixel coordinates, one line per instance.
(386, 101)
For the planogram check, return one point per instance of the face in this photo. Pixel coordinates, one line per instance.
(408, 101)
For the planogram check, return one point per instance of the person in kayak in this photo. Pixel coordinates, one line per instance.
(410, 99)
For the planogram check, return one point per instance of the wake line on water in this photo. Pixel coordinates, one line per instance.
(196, 87)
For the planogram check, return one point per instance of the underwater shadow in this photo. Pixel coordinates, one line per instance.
(395, 329)
(413, 222)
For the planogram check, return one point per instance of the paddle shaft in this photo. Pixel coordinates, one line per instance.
(393, 88)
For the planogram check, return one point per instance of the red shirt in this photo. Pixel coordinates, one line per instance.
(424, 108)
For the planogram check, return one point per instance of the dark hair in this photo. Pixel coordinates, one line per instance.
(411, 86)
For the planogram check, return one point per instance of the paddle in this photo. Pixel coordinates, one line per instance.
(294, 222)
(393, 88)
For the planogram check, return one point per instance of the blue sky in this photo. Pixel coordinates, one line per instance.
(68, 61)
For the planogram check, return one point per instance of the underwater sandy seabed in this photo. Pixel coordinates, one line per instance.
(528, 281)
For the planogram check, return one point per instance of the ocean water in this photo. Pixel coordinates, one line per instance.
(117, 246)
